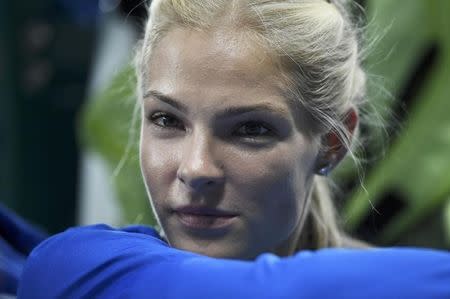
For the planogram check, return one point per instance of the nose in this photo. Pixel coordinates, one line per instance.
(199, 168)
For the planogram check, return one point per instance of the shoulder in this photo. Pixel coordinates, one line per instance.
(99, 235)
(74, 263)
(95, 242)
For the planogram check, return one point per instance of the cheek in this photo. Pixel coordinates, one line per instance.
(277, 192)
(158, 165)
(273, 186)
(277, 172)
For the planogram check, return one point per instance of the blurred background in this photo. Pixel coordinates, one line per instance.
(68, 139)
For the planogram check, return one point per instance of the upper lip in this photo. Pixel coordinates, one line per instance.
(204, 211)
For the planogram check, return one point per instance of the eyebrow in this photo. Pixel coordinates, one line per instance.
(264, 107)
(227, 112)
(166, 99)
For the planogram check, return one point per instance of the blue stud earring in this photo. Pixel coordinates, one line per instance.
(324, 171)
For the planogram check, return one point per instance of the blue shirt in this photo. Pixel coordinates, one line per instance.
(102, 262)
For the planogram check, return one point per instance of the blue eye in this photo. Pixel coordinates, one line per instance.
(253, 129)
(166, 121)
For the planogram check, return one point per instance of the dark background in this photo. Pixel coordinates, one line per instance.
(46, 53)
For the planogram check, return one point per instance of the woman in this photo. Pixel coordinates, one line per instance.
(242, 111)
(246, 106)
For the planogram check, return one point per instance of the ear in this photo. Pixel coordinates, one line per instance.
(335, 149)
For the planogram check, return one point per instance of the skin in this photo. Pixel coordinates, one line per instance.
(218, 133)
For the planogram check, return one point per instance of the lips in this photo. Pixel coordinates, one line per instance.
(204, 218)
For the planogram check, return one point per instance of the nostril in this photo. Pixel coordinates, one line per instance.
(199, 183)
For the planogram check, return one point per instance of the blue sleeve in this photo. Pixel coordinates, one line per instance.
(11, 263)
(100, 262)
(17, 239)
(18, 233)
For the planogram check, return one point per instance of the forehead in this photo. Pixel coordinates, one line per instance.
(214, 69)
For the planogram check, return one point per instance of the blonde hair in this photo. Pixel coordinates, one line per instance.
(315, 44)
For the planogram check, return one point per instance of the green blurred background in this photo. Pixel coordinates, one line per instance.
(68, 145)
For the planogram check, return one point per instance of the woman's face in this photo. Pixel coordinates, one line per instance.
(224, 155)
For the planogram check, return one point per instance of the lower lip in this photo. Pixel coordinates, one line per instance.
(195, 221)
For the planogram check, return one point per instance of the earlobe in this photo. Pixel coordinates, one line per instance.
(334, 147)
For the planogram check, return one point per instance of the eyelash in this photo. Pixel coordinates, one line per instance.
(256, 124)
(154, 118)
(267, 131)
